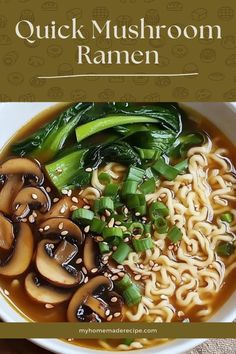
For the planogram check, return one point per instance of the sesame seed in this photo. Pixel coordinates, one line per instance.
(89, 169)
(34, 214)
(69, 193)
(114, 277)
(64, 233)
(114, 299)
(117, 314)
(48, 189)
(114, 248)
(103, 218)
(86, 280)
(105, 258)
(145, 277)
(86, 207)
(107, 312)
(55, 200)
(49, 306)
(64, 191)
(40, 230)
(151, 263)
(86, 229)
(75, 200)
(80, 192)
(120, 266)
(141, 266)
(118, 222)
(171, 247)
(107, 212)
(121, 274)
(126, 210)
(59, 170)
(6, 292)
(78, 261)
(85, 200)
(94, 270)
(99, 238)
(137, 277)
(84, 270)
(63, 209)
(47, 227)
(137, 214)
(60, 226)
(34, 196)
(109, 318)
(126, 239)
(24, 220)
(73, 208)
(31, 219)
(111, 222)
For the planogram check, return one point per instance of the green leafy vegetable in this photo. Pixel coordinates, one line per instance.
(225, 249)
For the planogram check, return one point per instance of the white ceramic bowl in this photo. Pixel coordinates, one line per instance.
(14, 116)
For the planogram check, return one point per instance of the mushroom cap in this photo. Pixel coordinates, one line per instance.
(85, 292)
(22, 253)
(59, 225)
(11, 187)
(30, 198)
(61, 209)
(22, 166)
(6, 233)
(91, 255)
(52, 269)
(45, 293)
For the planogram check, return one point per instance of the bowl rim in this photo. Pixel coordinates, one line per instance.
(176, 346)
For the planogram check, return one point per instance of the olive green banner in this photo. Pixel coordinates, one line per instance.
(124, 50)
(118, 330)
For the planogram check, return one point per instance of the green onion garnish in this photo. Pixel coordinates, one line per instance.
(97, 226)
(111, 190)
(174, 234)
(105, 203)
(129, 187)
(167, 171)
(83, 215)
(132, 295)
(128, 341)
(124, 283)
(147, 228)
(121, 252)
(225, 249)
(142, 244)
(157, 209)
(110, 233)
(135, 200)
(148, 186)
(104, 178)
(149, 173)
(148, 154)
(182, 165)
(161, 225)
(136, 228)
(141, 210)
(103, 247)
(135, 174)
(227, 217)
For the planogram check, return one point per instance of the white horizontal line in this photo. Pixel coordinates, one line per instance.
(114, 75)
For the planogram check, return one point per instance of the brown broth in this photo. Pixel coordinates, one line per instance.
(36, 311)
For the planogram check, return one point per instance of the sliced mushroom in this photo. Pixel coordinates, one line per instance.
(11, 188)
(63, 227)
(30, 198)
(6, 233)
(22, 166)
(45, 293)
(54, 267)
(61, 209)
(92, 259)
(22, 253)
(79, 310)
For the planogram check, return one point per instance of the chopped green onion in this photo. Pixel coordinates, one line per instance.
(148, 186)
(148, 154)
(141, 210)
(167, 171)
(103, 247)
(110, 233)
(174, 234)
(135, 200)
(161, 225)
(132, 295)
(129, 187)
(225, 249)
(115, 241)
(136, 228)
(182, 165)
(104, 178)
(128, 341)
(157, 209)
(149, 173)
(142, 244)
(147, 228)
(97, 226)
(135, 174)
(121, 252)
(105, 203)
(227, 217)
(124, 283)
(111, 190)
(83, 215)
